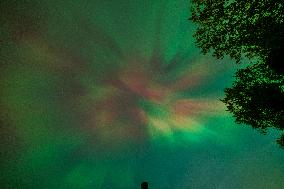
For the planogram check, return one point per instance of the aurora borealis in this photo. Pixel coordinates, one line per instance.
(107, 94)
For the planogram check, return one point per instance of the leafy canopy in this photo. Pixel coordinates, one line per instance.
(237, 27)
(254, 29)
(257, 97)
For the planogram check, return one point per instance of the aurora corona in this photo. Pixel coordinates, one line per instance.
(107, 94)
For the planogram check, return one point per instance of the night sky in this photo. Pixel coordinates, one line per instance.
(108, 94)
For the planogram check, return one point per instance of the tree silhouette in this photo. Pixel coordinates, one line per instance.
(251, 28)
(254, 29)
(256, 98)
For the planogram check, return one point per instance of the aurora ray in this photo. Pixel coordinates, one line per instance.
(94, 93)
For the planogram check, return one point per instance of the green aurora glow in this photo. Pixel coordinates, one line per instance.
(107, 94)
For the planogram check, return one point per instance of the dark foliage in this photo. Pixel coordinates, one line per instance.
(257, 97)
(236, 27)
(254, 29)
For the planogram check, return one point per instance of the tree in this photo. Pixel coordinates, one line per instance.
(256, 98)
(240, 28)
(252, 29)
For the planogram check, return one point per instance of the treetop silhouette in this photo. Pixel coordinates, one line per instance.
(252, 29)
